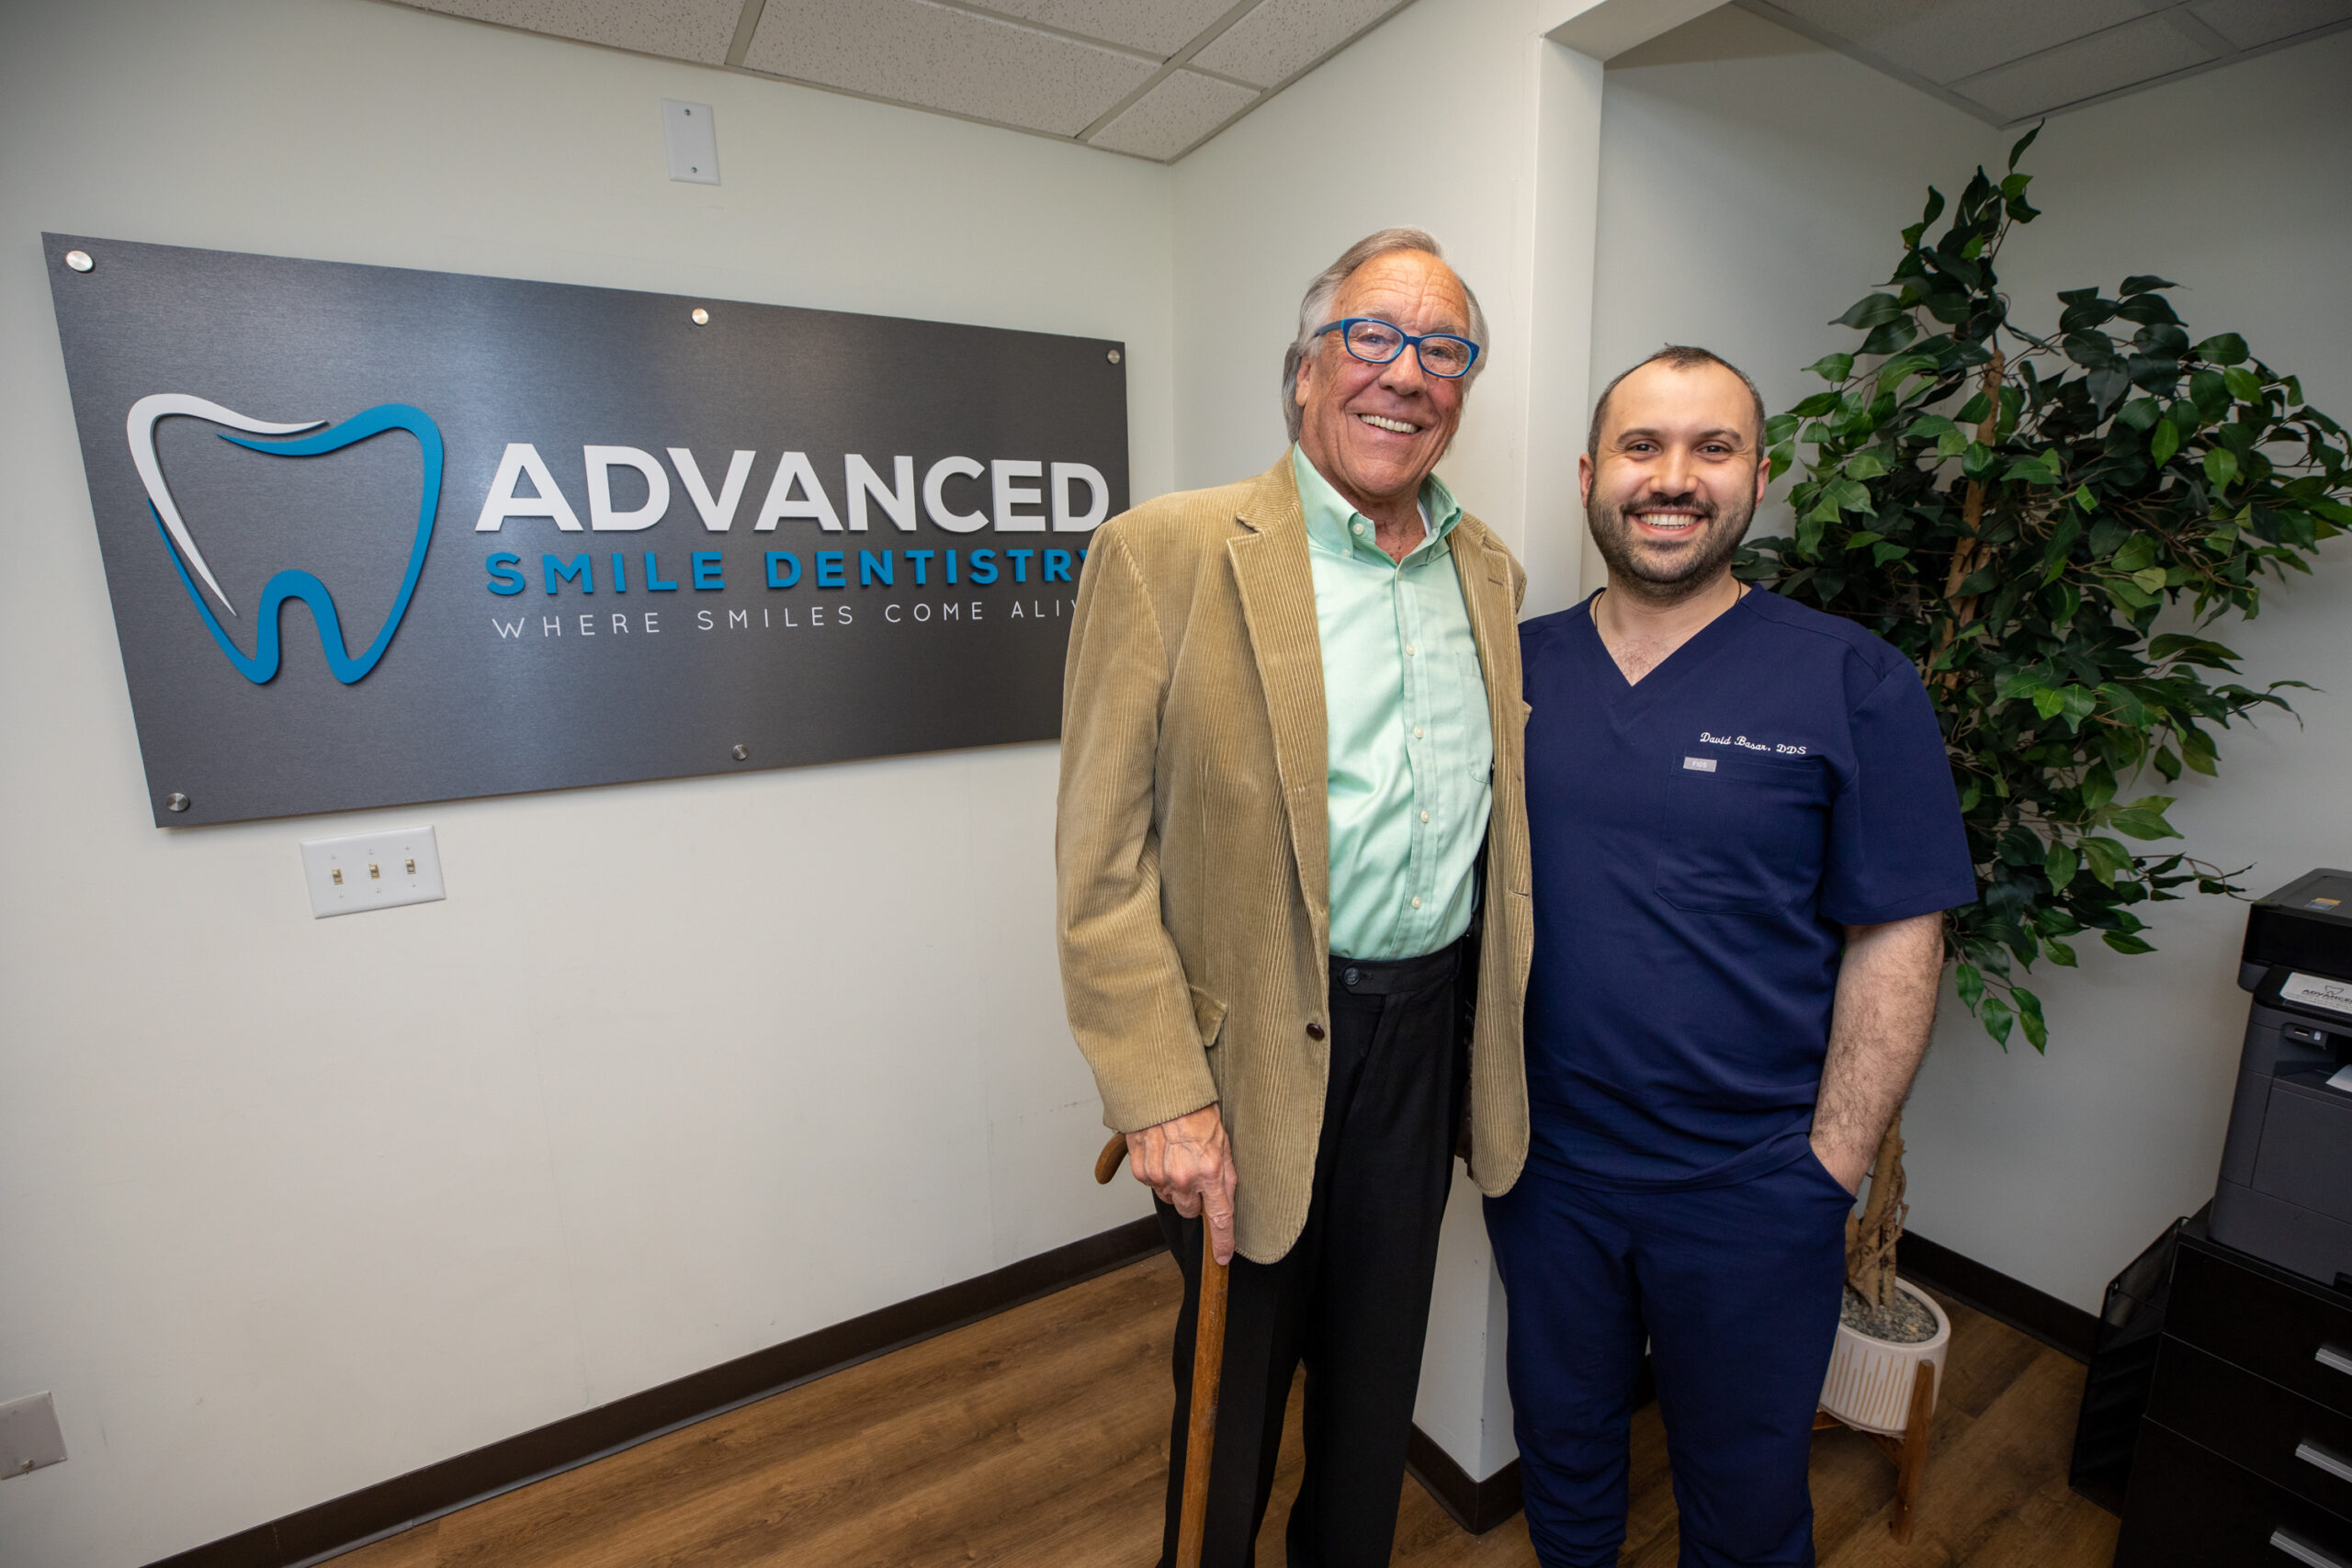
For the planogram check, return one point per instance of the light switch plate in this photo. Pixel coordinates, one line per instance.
(690, 136)
(29, 1434)
(371, 871)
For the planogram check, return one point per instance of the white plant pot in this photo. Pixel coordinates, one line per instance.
(1870, 1380)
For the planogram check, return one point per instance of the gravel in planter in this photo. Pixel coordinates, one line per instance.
(1907, 1322)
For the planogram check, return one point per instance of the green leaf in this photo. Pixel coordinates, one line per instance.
(1834, 367)
(2059, 952)
(1929, 426)
(2221, 468)
(2106, 860)
(1997, 1020)
(2098, 786)
(2060, 865)
(2150, 581)
(2036, 1032)
(1865, 466)
(1951, 442)
(1969, 981)
(2227, 349)
(1874, 312)
(2144, 283)
(2015, 151)
(2164, 442)
(2122, 941)
(2139, 413)
(2196, 750)
(2138, 551)
(2144, 818)
(2242, 385)
(1846, 496)
(2049, 703)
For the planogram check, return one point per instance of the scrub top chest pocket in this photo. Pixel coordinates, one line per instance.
(1742, 834)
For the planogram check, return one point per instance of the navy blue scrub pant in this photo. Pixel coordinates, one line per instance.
(1737, 1291)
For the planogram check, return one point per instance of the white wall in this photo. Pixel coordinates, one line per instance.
(679, 1070)
(1752, 184)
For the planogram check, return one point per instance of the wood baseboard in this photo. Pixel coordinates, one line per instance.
(1477, 1506)
(373, 1512)
(1996, 1296)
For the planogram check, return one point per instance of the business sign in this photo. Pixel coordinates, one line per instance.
(376, 537)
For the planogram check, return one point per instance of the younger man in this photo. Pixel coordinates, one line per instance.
(1744, 833)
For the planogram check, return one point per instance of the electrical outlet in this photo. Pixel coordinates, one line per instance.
(371, 871)
(29, 1437)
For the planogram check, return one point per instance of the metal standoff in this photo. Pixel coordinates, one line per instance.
(702, 317)
(79, 261)
(1112, 356)
(742, 753)
(175, 801)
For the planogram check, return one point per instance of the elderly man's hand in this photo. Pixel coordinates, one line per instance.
(1189, 1164)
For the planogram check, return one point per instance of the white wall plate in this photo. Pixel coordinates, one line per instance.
(690, 138)
(371, 871)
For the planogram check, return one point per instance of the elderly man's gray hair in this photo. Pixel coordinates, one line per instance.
(1315, 310)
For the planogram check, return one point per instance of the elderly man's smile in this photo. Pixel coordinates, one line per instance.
(1395, 426)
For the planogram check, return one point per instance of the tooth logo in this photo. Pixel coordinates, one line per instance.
(261, 666)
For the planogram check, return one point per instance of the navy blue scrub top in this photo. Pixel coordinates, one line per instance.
(1702, 839)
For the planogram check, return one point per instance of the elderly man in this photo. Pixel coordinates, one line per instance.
(1744, 835)
(1290, 790)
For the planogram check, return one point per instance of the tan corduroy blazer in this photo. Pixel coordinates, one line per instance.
(1193, 839)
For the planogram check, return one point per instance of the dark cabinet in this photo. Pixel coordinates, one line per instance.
(2245, 1454)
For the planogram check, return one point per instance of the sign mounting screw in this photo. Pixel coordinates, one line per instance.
(79, 261)
(1112, 356)
(742, 753)
(701, 317)
(175, 801)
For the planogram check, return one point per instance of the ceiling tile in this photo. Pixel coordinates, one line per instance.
(937, 58)
(1162, 27)
(1944, 40)
(2250, 24)
(682, 29)
(1282, 38)
(2120, 57)
(1176, 113)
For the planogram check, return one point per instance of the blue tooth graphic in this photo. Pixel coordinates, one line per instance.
(261, 667)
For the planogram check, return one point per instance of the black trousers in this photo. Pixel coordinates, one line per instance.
(1350, 1298)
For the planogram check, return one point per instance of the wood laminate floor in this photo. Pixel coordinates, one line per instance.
(1037, 1437)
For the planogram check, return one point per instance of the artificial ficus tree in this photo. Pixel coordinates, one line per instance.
(2018, 508)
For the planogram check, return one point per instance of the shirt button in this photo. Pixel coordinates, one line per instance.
(1417, 901)
(1313, 1030)
(1409, 651)
(1417, 732)
(1358, 527)
(1425, 816)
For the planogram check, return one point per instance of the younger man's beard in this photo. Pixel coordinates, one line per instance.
(1669, 584)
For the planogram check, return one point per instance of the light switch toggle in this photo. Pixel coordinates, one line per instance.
(331, 867)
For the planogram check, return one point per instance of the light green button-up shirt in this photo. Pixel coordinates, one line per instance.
(1412, 747)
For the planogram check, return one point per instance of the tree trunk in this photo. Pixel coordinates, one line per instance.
(1870, 1236)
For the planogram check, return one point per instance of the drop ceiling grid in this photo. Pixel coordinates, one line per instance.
(1144, 78)
(2056, 54)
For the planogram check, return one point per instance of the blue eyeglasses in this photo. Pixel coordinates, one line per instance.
(1376, 342)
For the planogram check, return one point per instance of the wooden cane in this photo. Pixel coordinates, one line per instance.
(1208, 1369)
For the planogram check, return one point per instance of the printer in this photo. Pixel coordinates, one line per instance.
(2286, 1189)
